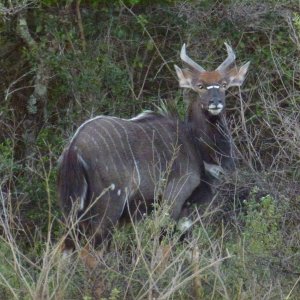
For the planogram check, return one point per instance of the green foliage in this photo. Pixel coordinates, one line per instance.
(256, 247)
(109, 2)
(127, 66)
(296, 21)
(8, 277)
(7, 164)
(262, 231)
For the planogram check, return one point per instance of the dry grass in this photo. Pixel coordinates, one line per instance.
(246, 245)
(227, 255)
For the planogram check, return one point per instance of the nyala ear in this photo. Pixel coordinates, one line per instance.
(184, 77)
(237, 76)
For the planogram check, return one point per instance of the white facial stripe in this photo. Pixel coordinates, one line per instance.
(212, 87)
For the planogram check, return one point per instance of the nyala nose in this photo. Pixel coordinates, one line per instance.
(215, 102)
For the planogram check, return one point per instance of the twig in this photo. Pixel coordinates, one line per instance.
(149, 35)
(81, 30)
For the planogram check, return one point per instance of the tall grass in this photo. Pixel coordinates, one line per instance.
(245, 245)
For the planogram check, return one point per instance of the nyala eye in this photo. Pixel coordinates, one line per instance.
(224, 84)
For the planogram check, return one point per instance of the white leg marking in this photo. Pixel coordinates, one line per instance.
(67, 254)
(184, 224)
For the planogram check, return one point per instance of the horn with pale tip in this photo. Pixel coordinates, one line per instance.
(228, 61)
(189, 61)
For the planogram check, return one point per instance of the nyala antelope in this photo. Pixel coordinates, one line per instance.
(113, 166)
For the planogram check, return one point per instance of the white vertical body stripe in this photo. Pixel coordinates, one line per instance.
(83, 124)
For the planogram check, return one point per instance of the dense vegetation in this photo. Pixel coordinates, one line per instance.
(62, 62)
